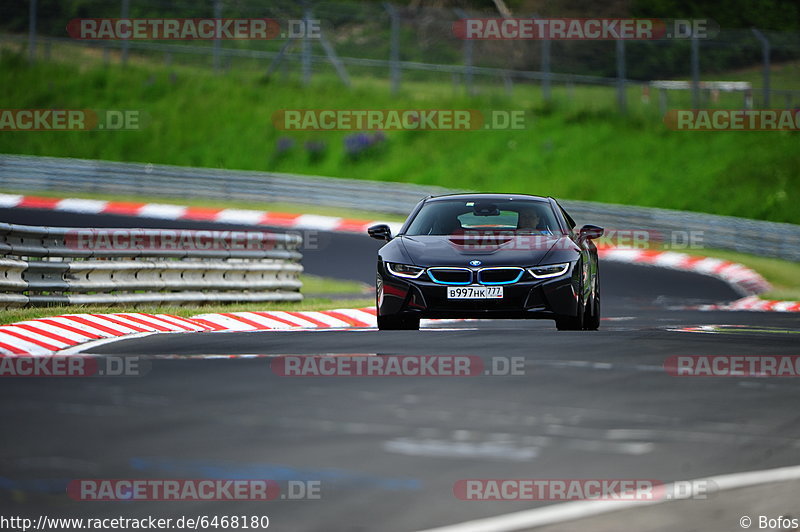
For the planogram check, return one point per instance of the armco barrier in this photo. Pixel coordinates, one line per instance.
(24, 173)
(49, 266)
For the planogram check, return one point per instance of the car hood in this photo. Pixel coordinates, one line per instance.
(492, 250)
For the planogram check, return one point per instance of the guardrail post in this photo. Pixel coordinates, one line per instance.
(765, 53)
(126, 44)
(621, 96)
(306, 45)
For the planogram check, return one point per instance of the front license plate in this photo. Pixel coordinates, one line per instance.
(474, 292)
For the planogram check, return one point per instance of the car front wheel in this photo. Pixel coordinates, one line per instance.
(572, 323)
(591, 321)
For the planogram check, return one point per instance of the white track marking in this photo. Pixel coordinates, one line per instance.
(241, 216)
(81, 205)
(313, 221)
(161, 210)
(10, 200)
(570, 511)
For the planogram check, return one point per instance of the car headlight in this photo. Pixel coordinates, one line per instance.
(549, 270)
(404, 270)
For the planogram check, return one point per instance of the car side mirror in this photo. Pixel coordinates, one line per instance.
(380, 232)
(590, 232)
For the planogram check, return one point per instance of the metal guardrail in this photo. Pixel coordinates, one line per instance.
(42, 266)
(756, 237)
(80, 175)
(25, 173)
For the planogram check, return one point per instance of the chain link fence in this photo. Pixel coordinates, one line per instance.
(402, 44)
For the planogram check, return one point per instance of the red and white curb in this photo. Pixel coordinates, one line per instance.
(166, 211)
(741, 278)
(260, 321)
(49, 336)
(754, 304)
(46, 336)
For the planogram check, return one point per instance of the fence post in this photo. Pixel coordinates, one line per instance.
(217, 43)
(621, 92)
(394, 47)
(545, 68)
(695, 72)
(126, 44)
(765, 52)
(468, 72)
(334, 59)
(32, 31)
(306, 45)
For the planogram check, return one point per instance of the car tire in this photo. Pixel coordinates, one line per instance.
(591, 321)
(571, 323)
(396, 323)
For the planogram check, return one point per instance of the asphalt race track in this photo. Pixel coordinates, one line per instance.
(387, 451)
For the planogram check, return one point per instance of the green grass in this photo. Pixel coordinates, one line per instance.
(316, 285)
(14, 315)
(577, 147)
(784, 276)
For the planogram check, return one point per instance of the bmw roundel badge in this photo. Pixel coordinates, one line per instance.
(475, 263)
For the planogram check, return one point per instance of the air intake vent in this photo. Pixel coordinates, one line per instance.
(450, 275)
(499, 275)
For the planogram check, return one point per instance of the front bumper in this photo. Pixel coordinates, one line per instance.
(528, 298)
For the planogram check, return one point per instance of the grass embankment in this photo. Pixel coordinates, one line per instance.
(577, 147)
(783, 275)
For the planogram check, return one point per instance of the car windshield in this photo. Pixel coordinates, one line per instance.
(447, 217)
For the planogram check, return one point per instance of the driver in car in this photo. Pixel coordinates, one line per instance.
(529, 220)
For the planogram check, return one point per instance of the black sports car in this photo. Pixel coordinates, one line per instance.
(488, 256)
